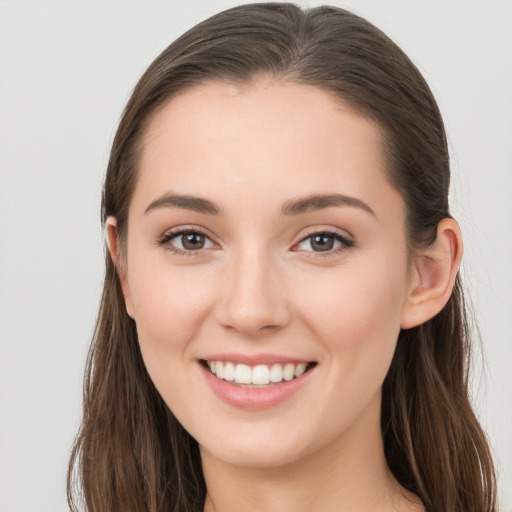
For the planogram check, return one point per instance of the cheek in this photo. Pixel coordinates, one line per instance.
(169, 307)
(356, 315)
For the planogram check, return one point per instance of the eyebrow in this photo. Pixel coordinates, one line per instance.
(319, 202)
(293, 207)
(196, 204)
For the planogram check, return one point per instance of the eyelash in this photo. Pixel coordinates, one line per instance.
(165, 241)
(345, 242)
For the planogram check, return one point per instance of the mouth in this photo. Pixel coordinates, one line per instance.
(257, 376)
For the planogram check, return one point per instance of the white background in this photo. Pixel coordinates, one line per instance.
(66, 70)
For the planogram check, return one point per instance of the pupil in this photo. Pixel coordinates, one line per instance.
(322, 242)
(193, 241)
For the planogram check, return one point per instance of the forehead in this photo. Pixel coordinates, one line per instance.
(275, 104)
(287, 138)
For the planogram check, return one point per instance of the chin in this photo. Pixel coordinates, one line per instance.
(251, 450)
(255, 456)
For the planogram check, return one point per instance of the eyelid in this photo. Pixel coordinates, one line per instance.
(346, 240)
(168, 235)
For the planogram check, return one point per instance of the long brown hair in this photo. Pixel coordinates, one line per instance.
(131, 453)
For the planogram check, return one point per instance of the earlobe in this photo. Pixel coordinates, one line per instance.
(433, 276)
(112, 238)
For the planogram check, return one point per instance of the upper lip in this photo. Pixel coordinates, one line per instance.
(255, 359)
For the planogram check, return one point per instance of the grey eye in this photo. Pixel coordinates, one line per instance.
(191, 241)
(320, 242)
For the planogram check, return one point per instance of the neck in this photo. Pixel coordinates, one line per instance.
(349, 474)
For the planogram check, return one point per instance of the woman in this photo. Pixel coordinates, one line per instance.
(282, 324)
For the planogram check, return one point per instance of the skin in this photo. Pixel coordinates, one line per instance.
(258, 286)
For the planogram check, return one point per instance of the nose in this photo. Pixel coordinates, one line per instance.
(252, 300)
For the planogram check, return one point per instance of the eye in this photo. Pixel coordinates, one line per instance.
(325, 241)
(185, 241)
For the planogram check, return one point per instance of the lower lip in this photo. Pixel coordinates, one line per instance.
(254, 398)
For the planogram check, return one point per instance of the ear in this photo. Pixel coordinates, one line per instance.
(433, 275)
(112, 238)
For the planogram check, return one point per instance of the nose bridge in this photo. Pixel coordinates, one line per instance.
(253, 297)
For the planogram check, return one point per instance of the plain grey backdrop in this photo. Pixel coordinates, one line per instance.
(66, 71)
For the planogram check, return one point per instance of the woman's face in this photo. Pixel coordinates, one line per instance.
(264, 237)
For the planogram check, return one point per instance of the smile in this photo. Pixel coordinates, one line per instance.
(259, 375)
(255, 382)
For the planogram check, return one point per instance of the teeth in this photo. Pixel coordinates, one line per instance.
(260, 375)
(256, 376)
(242, 374)
(229, 371)
(276, 373)
(300, 369)
(219, 369)
(289, 372)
